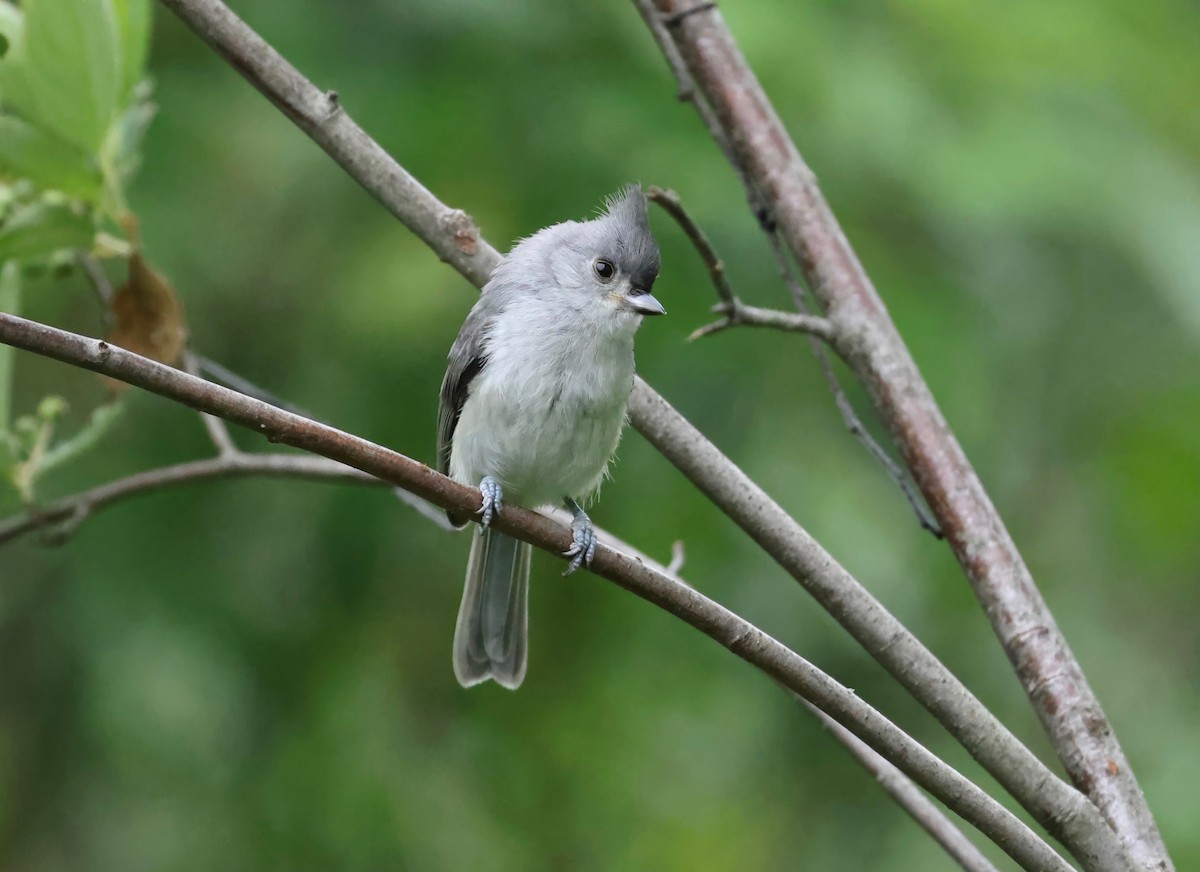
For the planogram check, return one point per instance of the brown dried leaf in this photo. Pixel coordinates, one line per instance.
(148, 317)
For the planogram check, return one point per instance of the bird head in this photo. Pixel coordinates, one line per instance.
(611, 260)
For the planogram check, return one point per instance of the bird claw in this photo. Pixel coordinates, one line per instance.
(583, 544)
(493, 500)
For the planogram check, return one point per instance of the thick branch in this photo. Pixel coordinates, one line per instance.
(1056, 805)
(1053, 803)
(1053, 679)
(734, 633)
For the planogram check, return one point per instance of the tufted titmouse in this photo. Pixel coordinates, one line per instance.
(533, 405)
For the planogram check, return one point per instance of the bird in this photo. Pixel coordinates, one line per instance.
(533, 404)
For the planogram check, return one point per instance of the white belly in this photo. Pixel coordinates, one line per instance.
(544, 417)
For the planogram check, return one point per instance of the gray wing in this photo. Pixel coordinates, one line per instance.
(467, 359)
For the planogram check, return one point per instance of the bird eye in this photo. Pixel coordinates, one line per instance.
(604, 269)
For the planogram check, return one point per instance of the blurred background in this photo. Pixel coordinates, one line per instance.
(256, 674)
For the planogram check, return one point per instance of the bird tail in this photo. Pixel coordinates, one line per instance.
(491, 639)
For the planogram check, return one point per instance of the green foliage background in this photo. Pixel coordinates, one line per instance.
(256, 675)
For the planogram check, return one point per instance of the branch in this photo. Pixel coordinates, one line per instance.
(715, 621)
(217, 431)
(673, 206)
(1054, 804)
(868, 340)
(64, 516)
(449, 232)
(735, 311)
(738, 313)
(849, 417)
(67, 514)
(1057, 806)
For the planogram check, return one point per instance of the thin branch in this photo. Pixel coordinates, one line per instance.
(735, 311)
(738, 314)
(738, 636)
(678, 557)
(1052, 677)
(217, 431)
(65, 516)
(1056, 805)
(909, 797)
(231, 379)
(673, 206)
(849, 417)
(426, 510)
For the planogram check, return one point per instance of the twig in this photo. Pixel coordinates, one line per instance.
(65, 516)
(1070, 713)
(426, 510)
(1056, 805)
(849, 417)
(678, 557)
(217, 431)
(231, 379)
(735, 311)
(673, 206)
(737, 635)
(738, 314)
(909, 797)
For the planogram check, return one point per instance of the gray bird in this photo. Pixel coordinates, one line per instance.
(533, 405)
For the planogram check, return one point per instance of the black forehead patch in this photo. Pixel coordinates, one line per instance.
(644, 278)
(634, 248)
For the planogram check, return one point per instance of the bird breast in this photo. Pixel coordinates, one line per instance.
(545, 415)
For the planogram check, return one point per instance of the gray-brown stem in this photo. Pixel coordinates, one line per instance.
(868, 340)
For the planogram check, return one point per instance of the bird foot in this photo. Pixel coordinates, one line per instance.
(583, 541)
(493, 500)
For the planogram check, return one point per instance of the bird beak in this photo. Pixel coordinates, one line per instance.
(638, 300)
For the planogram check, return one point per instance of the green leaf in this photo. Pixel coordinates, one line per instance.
(37, 230)
(64, 72)
(133, 31)
(28, 152)
(10, 302)
(131, 130)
